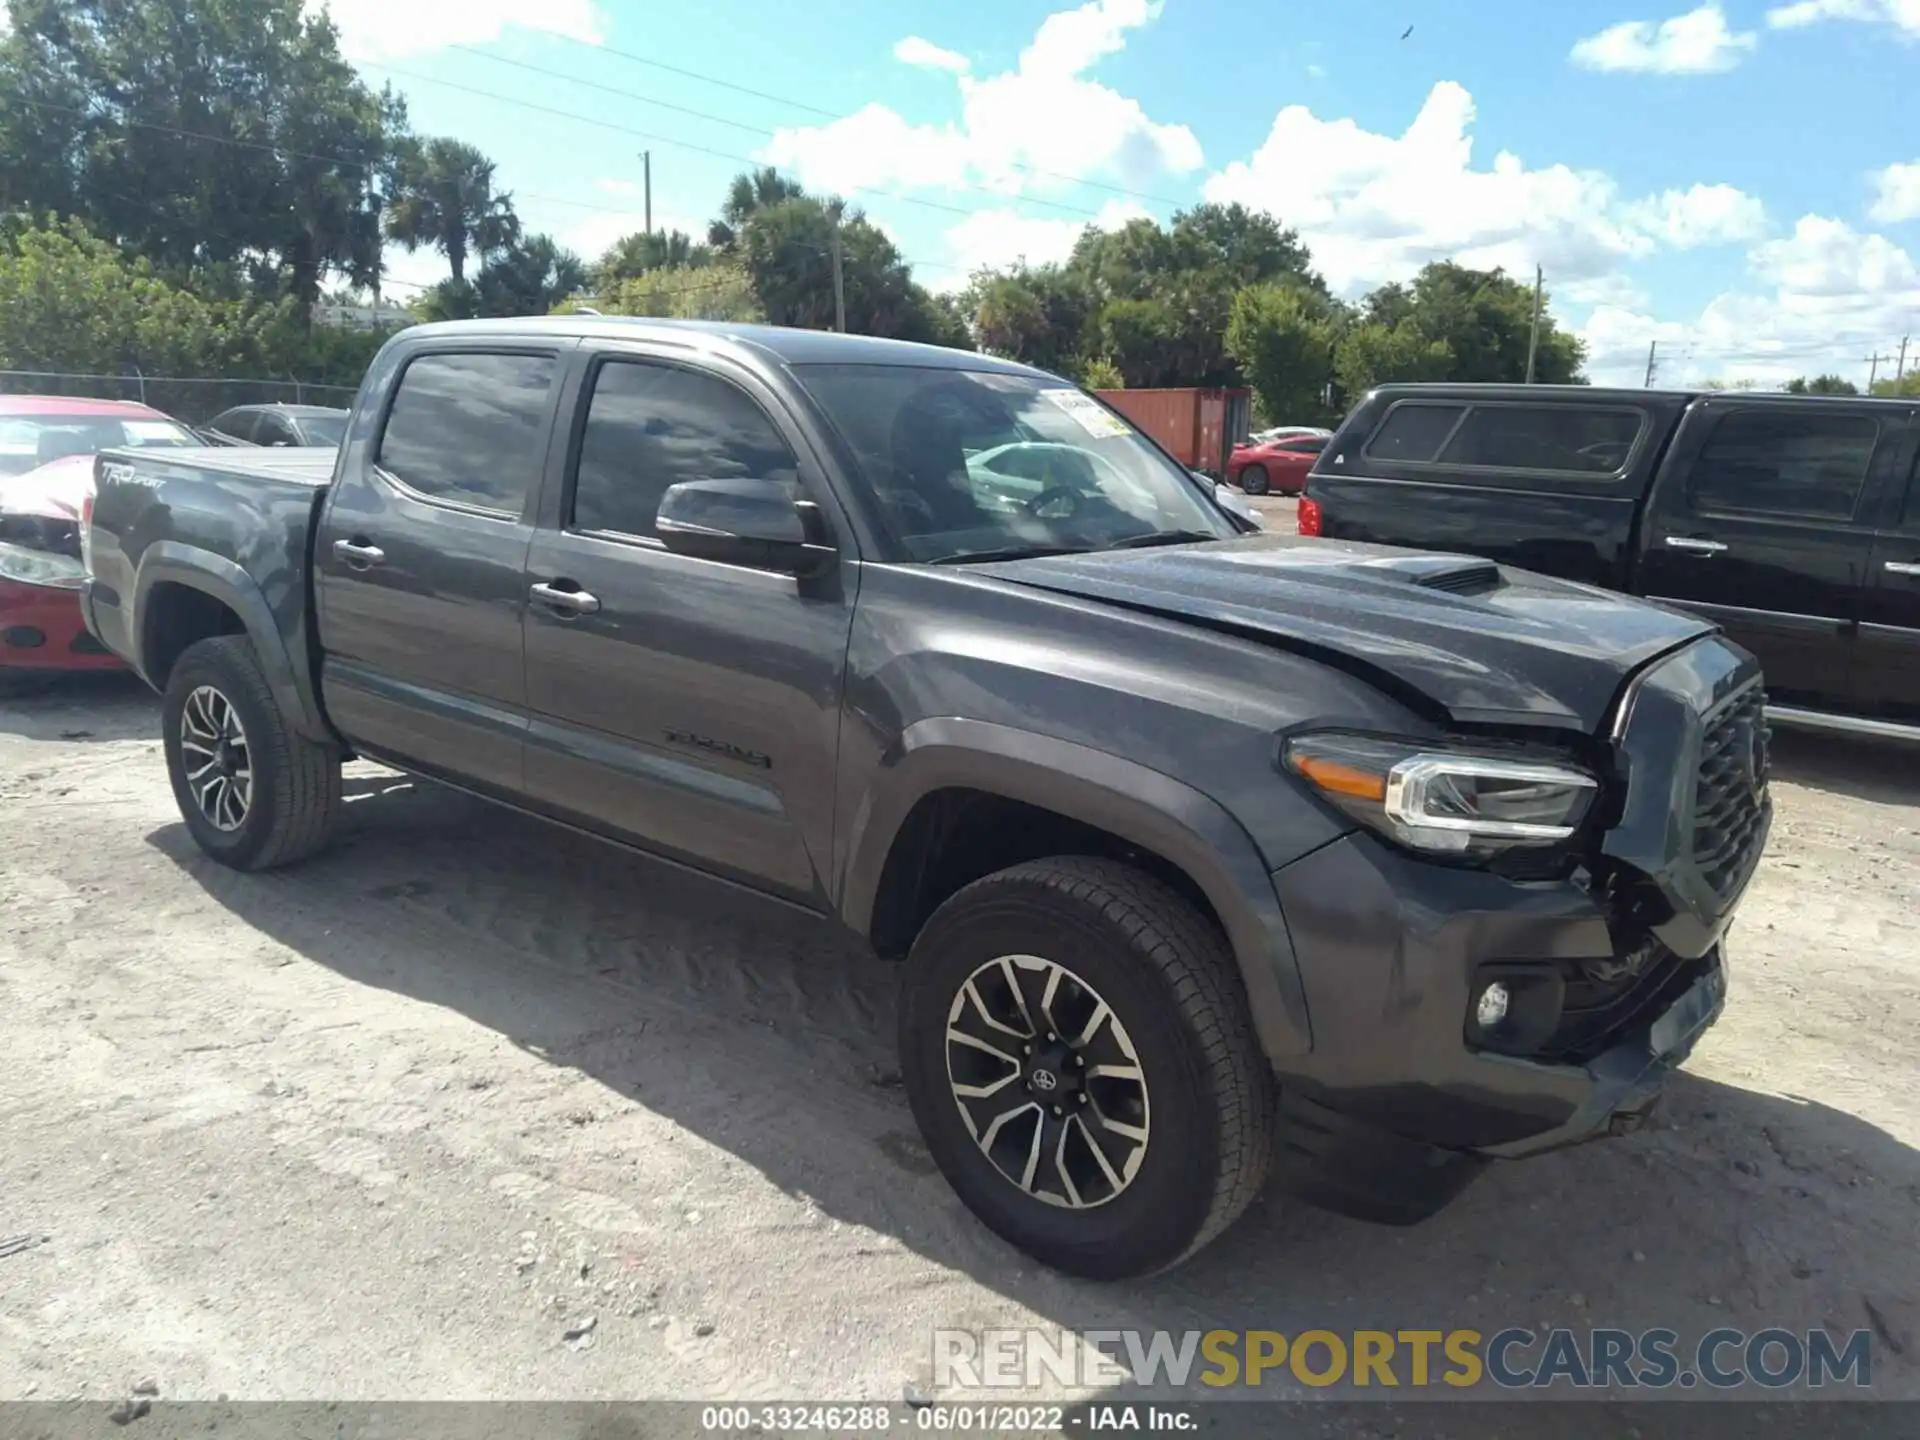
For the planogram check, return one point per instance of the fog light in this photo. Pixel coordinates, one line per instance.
(1491, 1008)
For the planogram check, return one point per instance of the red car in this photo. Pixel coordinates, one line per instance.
(47, 444)
(1279, 464)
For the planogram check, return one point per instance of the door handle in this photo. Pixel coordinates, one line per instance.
(1902, 567)
(578, 601)
(1694, 545)
(359, 554)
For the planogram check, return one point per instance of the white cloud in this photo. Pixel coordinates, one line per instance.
(385, 30)
(1018, 131)
(1903, 14)
(1377, 207)
(1697, 42)
(1700, 215)
(1002, 237)
(928, 56)
(1897, 193)
(590, 235)
(1825, 296)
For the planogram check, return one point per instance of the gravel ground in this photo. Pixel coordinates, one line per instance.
(470, 1108)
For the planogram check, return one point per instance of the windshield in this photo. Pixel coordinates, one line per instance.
(969, 463)
(324, 429)
(28, 443)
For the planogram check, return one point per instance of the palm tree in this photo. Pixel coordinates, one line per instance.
(445, 199)
(751, 192)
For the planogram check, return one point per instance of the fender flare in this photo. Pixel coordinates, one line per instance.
(169, 562)
(1143, 806)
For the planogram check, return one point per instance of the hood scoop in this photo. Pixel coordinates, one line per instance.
(1455, 574)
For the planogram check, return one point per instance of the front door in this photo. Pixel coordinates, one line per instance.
(421, 563)
(684, 705)
(1886, 678)
(1760, 521)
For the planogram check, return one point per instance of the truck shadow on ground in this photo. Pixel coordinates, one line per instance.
(771, 1038)
(1886, 772)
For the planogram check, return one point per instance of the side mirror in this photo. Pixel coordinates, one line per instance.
(743, 522)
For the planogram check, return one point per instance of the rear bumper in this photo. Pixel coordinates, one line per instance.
(41, 629)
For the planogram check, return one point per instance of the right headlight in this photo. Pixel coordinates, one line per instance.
(1445, 800)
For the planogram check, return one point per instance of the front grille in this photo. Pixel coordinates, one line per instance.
(1730, 794)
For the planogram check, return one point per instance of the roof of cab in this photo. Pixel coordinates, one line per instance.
(1597, 394)
(789, 346)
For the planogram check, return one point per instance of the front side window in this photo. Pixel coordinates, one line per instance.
(652, 426)
(1414, 431)
(1785, 462)
(468, 429)
(965, 463)
(1573, 438)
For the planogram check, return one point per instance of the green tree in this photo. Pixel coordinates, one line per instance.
(1284, 341)
(1375, 353)
(749, 193)
(1483, 318)
(1821, 385)
(636, 254)
(223, 137)
(1038, 315)
(529, 277)
(1902, 387)
(445, 200)
(722, 290)
(1100, 373)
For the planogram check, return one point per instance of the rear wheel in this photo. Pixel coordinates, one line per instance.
(254, 793)
(1079, 1055)
(1253, 480)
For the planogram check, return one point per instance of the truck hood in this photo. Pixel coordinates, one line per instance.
(1484, 643)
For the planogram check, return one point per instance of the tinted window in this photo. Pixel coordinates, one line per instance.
(1311, 446)
(274, 430)
(652, 426)
(1544, 437)
(1911, 520)
(237, 423)
(1413, 432)
(324, 429)
(468, 428)
(1785, 462)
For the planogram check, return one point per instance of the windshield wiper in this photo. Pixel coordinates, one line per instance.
(1164, 537)
(1015, 552)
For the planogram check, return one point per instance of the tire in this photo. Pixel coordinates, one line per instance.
(292, 790)
(1253, 480)
(1205, 1102)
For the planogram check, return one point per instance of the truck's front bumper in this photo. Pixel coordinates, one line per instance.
(1396, 1109)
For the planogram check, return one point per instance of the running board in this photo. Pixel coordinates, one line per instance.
(1844, 724)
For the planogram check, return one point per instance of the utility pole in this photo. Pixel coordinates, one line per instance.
(1653, 364)
(1873, 373)
(839, 283)
(1533, 335)
(646, 186)
(1900, 369)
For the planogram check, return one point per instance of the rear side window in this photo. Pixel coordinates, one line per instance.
(237, 423)
(468, 429)
(1414, 431)
(1312, 445)
(1785, 462)
(1911, 519)
(653, 426)
(1576, 438)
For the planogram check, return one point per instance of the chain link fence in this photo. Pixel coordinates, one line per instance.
(195, 400)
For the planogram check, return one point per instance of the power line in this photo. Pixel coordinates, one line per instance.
(802, 105)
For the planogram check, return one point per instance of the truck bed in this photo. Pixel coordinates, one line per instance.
(303, 466)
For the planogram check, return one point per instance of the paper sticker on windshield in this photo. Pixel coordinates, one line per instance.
(1088, 413)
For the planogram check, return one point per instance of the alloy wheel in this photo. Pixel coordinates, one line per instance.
(1048, 1081)
(216, 759)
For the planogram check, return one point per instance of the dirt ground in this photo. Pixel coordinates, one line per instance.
(397, 1123)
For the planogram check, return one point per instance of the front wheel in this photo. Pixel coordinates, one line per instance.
(1253, 480)
(1079, 1055)
(255, 794)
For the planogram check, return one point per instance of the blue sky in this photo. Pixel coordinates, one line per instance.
(1738, 181)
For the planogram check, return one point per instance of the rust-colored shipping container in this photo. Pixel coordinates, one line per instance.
(1197, 427)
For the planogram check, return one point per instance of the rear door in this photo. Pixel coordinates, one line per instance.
(1761, 522)
(275, 429)
(421, 563)
(1886, 671)
(683, 705)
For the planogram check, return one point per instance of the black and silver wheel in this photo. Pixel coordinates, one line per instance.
(1253, 480)
(1078, 1052)
(253, 792)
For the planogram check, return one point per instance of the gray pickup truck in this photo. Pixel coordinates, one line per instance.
(1204, 851)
